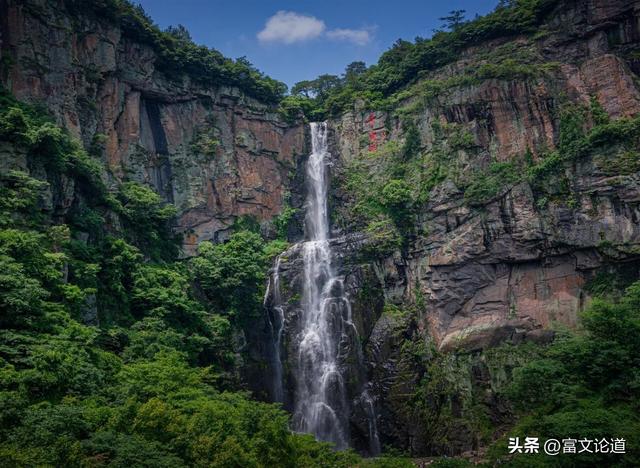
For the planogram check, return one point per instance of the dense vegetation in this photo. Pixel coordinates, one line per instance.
(382, 192)
(116, 352)
(407, 62)
(584, 385)
(112, 351)
(178, 56)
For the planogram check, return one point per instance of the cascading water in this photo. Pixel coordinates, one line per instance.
(369, 408)
(277, 328)
(325, 337)
(320, 399)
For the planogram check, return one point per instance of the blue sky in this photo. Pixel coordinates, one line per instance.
(298, 40)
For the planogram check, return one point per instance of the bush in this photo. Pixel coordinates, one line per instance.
(586, 383)
(19, 196)
(383, 238)
(178, 55)
(13, 124)
(232, 275)
(488, 184)
(148, 219)
(412, 143)
(396, 194)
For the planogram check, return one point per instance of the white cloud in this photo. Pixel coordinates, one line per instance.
(357, 36)
(289, 27)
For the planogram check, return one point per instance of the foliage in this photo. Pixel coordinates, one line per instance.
(364, 180)
(610, 283)
(178, 55)
(282, 221)
(450, 398)
(488, 184)
(575, 143)
(510, 61)
(454, 19)
(113, 351)
(19, 193)
(157, 408)
(292, 107)
(383, 237)
(451, 463)
(412, 143)
(407, 62)
(148, 219)
(35, 133)
(598, 114)
(205, 142)
(396, 194)
(586, 384)
(232, 275)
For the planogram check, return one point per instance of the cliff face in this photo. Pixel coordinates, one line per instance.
(212, 151)
(486, 256)
(513, 262)
(507, 267)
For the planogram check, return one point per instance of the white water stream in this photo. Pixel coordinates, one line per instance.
(320, 405)
(325, 331)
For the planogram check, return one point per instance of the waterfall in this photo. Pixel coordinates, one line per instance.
(277, 328)
(325, 334)
(320, 403)
(369, 409)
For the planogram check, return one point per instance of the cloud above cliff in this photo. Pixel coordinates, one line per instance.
(357, 36)
(288, 27)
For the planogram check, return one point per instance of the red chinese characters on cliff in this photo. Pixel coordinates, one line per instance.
(375, 136)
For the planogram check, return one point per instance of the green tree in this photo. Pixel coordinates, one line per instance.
(453, 20)
(353, 74)
(232, 275)
(180, 33)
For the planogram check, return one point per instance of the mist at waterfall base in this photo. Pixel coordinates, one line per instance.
(320, 401)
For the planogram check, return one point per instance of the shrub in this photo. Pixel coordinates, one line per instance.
(489, 183)
(396, 194)
(232, 275)
(412, 143)
(383, 238)
(585, 383)
(148, 218)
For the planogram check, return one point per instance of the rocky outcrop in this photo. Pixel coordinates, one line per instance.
(513, 266)
(213, 152)
(472, 276)
(468, 277)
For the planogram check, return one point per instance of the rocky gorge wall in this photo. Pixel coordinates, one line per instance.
(484, 264)
(212, 151)
(433, 313)
(461, 276)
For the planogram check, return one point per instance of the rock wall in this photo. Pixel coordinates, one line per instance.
(472, 276)
(507, 270)
(511, 264)
(213, 152)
